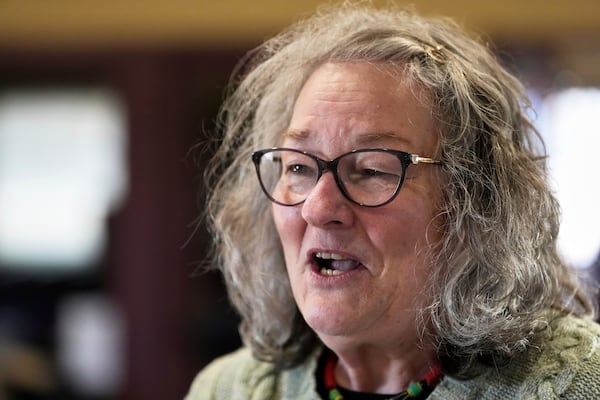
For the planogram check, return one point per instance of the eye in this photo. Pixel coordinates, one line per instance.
(372, 173)
(368, 172)
(299, 169)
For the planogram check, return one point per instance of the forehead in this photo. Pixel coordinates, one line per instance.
(361, 103)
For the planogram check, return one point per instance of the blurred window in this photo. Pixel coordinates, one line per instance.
(568, 120)
(62, 171)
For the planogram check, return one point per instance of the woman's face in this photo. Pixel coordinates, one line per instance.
(381, 252)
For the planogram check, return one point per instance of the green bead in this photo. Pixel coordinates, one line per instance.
(334, 394)
(414, 389)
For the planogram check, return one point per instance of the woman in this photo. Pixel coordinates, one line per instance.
(400, 239)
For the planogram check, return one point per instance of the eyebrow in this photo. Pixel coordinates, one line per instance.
(360, 140)
(295, 134)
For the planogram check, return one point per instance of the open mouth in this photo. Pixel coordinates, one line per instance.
(331, 264)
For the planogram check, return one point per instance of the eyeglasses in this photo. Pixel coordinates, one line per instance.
(367, 177)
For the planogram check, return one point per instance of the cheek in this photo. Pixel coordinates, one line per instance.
(289, 225)
(404, 232)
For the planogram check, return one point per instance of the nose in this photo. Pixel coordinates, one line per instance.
(326, 205)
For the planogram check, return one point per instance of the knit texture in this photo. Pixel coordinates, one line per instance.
(564, 365)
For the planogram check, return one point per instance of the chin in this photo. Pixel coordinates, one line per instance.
(332, 321)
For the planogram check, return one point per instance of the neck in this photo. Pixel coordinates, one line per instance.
(375, 369)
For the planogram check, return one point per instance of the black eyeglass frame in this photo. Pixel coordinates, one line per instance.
(323, 166)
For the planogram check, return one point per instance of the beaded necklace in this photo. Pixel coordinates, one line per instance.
(414, 390)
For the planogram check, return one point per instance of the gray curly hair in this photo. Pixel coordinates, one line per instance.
(497, 268)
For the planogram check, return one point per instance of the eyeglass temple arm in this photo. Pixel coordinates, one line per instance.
(416, 159)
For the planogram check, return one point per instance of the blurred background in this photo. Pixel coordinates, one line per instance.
(106, 121)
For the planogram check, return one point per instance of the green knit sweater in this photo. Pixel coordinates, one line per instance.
(565, 366)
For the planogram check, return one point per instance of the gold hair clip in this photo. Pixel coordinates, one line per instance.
(436, 53)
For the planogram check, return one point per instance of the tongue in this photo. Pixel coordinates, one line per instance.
(344, 265)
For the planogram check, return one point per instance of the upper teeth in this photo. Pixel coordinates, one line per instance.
(329, 256)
